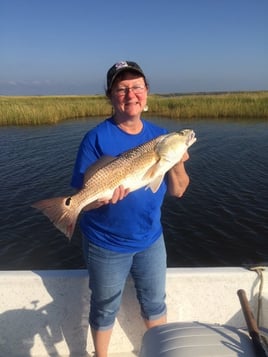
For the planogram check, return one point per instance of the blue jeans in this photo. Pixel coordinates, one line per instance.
(108, 271)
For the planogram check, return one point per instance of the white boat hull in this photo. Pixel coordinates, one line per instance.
(45, 313)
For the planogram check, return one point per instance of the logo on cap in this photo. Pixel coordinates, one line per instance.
(121, 64)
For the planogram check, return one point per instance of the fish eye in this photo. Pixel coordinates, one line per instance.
(68, 201)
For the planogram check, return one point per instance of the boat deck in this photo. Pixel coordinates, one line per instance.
(45, 313)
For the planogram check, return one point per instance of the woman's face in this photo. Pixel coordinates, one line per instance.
(129, 95)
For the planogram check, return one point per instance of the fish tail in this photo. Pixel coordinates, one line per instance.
(61, 212)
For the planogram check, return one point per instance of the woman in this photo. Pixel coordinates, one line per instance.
(124, 235)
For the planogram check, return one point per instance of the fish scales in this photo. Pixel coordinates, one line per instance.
(127, 164)
(128, 168)
(123, 165)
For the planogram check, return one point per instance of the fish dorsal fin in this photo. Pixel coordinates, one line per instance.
(155, 184)
(91, 170)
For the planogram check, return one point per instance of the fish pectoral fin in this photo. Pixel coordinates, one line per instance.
(155, 175)
(155, 184)
(153, 171)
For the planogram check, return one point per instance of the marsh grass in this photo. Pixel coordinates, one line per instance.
(225, 105)
(53, 109)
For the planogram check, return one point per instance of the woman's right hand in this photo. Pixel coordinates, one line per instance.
(119, 193)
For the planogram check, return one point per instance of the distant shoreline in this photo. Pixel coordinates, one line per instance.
(38, 110)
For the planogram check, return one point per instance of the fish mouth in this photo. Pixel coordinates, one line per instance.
(190, 136)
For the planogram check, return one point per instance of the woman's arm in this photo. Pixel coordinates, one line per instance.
(178, 179)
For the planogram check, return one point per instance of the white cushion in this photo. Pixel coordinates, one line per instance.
(195, 339)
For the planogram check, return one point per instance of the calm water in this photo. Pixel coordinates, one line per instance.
(222, 219)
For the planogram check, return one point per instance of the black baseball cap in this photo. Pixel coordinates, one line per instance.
(120, 67)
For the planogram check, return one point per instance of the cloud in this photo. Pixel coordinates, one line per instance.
(47, 87)
(26, 87)
(28, 83)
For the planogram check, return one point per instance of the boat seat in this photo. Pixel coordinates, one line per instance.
(195, 339)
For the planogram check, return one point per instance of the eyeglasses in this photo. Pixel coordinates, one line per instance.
(124, 90)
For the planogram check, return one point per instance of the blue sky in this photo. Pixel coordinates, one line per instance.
(67, 46)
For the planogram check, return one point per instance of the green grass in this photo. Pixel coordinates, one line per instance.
(53, 109)
(225, 105)
(50, 109)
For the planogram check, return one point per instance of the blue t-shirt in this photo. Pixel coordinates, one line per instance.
(133, 223)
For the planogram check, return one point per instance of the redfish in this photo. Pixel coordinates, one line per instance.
(142, 166)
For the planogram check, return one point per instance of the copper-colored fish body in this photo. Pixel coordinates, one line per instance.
(142, 166)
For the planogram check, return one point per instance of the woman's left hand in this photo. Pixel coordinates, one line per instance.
(119, 193)
(185, 157)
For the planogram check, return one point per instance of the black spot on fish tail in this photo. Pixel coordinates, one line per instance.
(68, 201)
